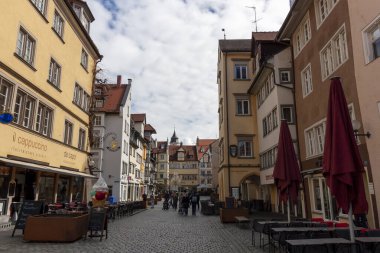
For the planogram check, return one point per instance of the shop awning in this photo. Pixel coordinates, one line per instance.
(45, 168)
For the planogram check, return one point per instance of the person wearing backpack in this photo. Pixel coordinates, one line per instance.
(194, 201)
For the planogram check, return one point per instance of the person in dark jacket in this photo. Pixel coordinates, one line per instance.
(185, 204)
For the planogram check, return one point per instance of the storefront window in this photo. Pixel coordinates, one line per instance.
(63, 190)
(78, 189)
(4, 182)
(46, 190)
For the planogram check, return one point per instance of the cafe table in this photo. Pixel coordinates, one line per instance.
(368, 244)
(296, 246)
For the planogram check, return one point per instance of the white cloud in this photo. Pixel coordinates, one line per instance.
(169, 49)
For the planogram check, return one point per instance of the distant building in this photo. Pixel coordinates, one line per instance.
(205, 162)
(111, 134)
(162, 156)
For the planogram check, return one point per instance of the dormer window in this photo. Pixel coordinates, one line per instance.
(82, 17)
(181, 156)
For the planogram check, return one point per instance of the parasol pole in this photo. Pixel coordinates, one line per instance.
(350, 221)
(288, 207)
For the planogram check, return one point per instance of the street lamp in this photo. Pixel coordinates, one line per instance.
(356, 125)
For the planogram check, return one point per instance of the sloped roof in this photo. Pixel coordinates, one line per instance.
(113, 97)
(138, 117)
(190, 152)
(235, 45)
(149, 128)
(263, 36)
(159, 149)
(205, 144)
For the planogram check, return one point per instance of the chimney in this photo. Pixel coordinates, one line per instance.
(118, 80)
(129, 81)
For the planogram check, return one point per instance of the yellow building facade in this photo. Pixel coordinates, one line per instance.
(239, 168)
(47, 61)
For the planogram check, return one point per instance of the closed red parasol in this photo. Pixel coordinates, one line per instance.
(286, 172)
(342, 165)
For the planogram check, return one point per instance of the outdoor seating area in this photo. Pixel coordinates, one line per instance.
(313, 235)
(211, 207)
(72, 221)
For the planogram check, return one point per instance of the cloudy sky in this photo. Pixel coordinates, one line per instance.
(169, 50)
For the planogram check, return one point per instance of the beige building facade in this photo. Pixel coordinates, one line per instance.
(47, 61)
(238, 145)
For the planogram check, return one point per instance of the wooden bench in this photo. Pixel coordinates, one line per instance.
(241, 220)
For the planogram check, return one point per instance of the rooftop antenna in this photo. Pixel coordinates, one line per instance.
(255, 20)
(224, 33)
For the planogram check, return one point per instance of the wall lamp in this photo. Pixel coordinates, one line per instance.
(356, 125)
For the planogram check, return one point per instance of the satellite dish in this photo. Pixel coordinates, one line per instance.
(6, 118)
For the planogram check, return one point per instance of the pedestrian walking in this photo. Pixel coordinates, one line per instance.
(151, 201)
(194, 203)
(198, 200)
(175, 200)
(185, 204)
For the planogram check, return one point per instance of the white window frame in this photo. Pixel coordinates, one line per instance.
(68, 132)
(307, 81)
(242, 103)
(368, 41)
(25, 46)
(82, 139)
(54, 73)
(302, 36)
(44, 116)
(24, 109)
(241, 69)
(6, 95)
(292, 114)
(314, 139)
(287, 73)
(97, 120)
(245, 148)
(328, 6)
(334, 54)
(84, 61)
(58, 24)
(40, 5)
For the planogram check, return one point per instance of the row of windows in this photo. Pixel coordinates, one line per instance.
(30, 113)
(183, 165)
(265, 90)
(334, 54)
(303, 33)
(189, 177)
(268, 158)
(25, 49)
(79, 11)
(270, 122)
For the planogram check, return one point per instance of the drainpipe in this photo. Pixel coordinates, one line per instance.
(228, 132)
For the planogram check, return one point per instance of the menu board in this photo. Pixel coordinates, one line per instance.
(29, 207)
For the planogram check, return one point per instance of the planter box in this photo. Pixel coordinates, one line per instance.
(57, 228)
(229, 214)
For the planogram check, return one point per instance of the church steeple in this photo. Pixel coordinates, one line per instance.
(174, 139)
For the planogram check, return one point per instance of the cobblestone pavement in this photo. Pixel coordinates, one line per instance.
(153, 230)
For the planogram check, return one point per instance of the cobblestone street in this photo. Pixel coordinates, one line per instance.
(153, 230)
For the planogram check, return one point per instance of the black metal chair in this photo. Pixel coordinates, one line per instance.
(277, 238)
(257, 228)
(342, 233)
(316, 249)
